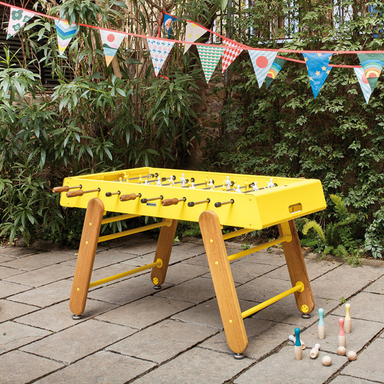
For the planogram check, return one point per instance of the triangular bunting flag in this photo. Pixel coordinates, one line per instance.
(111, 43)
(274, 71)
(65, 32)
(262, 62)
(318, 69)
(167, 24)
(364, 83)
(17, 18)
(192, 33)
(209, 57)
(159, 50)
(232, 50)
(372, 64)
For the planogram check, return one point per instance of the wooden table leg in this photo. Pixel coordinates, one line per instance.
(163, 252)
(86, 256)
(296, 266)
(223, 282)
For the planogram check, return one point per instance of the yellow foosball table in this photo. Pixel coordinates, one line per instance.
(213, 200)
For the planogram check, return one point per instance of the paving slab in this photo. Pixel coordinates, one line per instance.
(144, 312)
(10, 310)
(182, 272)
(282, 367)
(315, 269)
(344, 281)
(207, 313)
(162, 341)
(362, 332)
(263, 336)
(5, 258)
(8, 289)
(18, 367)
(125, 291)
(189, 248)
(5, 272)
(376, 287)
(194, 291)
(46, 295)
(367, 306)
(13, 335)
(39, 260)
(196, 366)
(343, 379)
(100, 368)
(17, 251)
(273, 257)
(79, 341)
(58, 317)
(369, 363)
(43, 276)
(139, 247)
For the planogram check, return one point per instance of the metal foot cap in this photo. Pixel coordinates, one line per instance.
(306, 315)
(238, 356)
(76, 317)
(157, 287)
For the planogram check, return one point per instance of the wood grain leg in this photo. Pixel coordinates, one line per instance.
(296, 266)
(223, 282)
(163, 252)
(86, 256)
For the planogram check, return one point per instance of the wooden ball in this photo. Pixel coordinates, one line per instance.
(326, 360)
(341, 351)
(351, 355)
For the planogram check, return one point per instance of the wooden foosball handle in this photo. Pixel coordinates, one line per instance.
(60, 189)
(175, 201)
(75, 193)
(132, 196)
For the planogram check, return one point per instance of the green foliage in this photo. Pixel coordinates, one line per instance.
(340, 236)
(374, 235)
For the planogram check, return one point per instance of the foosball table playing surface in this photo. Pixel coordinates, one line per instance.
(213, 200)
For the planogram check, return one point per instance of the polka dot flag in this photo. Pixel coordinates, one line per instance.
(262, 62)
(372, 65)
(209, 57)
(192, 33)
(159, 50)
(318, 69)
(111, 43)
(17, 19)
(232, 50)
(364, 83)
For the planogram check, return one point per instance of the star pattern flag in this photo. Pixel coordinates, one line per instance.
(17, 19)
(231, 51)
(159, 50)
(65, 33)
(111, 43)
(262, 62)
(364, 83)
(192, 33)
(372, 64)
(276, 67)
(167, 24)
(318, 69)
(209, 57)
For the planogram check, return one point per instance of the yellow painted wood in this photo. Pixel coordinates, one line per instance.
(163, 252)
(86, 256)
(299, 287)
(223, 282)
(296, 266)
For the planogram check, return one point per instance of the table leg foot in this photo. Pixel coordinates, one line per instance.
(238, 356)
(76, 317)
(157, 287)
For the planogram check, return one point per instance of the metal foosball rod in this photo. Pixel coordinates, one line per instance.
(193, 203)
(132, 196)
(175, 201)
(65, 188)
(81, 192)
(151, 175)
(218, 204)
(161, 197)
(109, 194)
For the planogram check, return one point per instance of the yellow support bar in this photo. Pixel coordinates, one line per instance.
(240, 232)
(259, 247)
(298, 287)
(164, 223)
(158, 263)
(117, 218)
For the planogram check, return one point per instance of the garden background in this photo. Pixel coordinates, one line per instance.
(73, 114)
